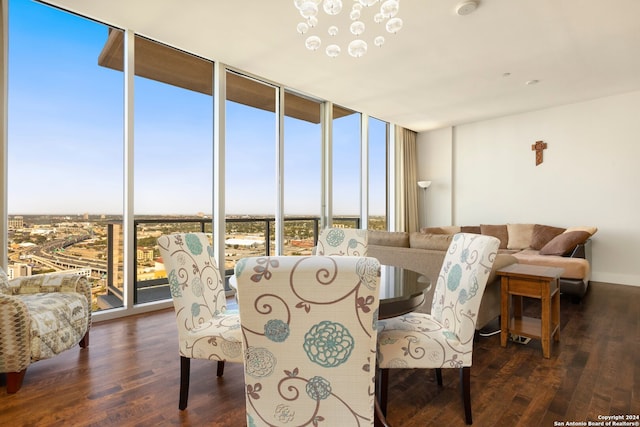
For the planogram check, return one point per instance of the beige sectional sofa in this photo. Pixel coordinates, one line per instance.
(539, 244)
(424, 251)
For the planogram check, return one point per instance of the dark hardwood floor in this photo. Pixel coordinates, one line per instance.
(129, 376)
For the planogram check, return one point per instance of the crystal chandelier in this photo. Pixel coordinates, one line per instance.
(385, 16)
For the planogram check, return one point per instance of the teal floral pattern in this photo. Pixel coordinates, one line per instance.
(318, 388)
(342, 241)
(276, 330)
(309, 339)
(328, 344)
(205, 330)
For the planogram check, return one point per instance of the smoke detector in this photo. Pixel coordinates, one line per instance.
(466, 7)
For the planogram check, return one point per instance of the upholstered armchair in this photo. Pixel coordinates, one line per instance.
(309, 337)
(205, 329)
(342, 241)
(41, 316)
(444, 338)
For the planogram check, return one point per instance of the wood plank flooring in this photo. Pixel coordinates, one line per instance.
(129, 376)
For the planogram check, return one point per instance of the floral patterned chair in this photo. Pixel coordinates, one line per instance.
(309, 333)
(444, 338)
(342, 241)
(205, 329)
(41, 316)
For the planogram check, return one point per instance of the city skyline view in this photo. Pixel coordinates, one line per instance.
(66, 144)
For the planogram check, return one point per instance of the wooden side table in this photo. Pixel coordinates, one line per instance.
(533, 281)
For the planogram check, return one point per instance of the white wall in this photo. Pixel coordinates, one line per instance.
(589, 176)
(435, 153)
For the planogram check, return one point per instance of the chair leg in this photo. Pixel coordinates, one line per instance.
(185, 368)
(220, 368)
(465, 382)
(14, 380)
(379, 419)
(383, 389)
(84, 342)
(439, 376)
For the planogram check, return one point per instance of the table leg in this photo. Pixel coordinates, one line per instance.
(546, 320)
(555, 314)
(504, 311)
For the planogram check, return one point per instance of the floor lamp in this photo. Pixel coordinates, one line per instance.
(424, 185)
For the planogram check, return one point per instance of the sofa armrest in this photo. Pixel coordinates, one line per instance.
(14, 334)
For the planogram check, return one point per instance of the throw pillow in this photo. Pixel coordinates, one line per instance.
(438, 242)
(542, 234)
(519, 235)
(565, 242)
(588, 229)
(498, 231)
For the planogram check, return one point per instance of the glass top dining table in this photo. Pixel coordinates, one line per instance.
(401, 290)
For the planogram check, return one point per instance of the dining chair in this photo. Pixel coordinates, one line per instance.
(205, 329)
(443, 338)
(342, 241)
(309, 337)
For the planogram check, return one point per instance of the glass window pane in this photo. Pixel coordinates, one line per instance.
(65, 151)
(377, 174)
(173, 154)
(250, 168)
(346, 168)
(302, 173)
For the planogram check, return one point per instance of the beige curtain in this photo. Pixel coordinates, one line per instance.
(407, 184)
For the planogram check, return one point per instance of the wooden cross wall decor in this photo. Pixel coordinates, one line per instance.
(538, 147)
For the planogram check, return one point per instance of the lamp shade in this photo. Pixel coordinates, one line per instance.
(424, 184)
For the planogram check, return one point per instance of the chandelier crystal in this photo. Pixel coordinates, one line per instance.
(384, 17)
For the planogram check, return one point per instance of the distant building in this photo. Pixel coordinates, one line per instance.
(144, 254)
(16, 222)
(18, 270)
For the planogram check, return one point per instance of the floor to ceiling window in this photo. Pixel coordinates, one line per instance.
(378, 142)
(302, 173)
(173, 154)
(346, 166)
(250, 167)
(73, 159)
(65, 155)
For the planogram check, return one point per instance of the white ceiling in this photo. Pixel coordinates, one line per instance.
(441, 69)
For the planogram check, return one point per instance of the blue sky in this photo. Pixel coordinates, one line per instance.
(66, 136)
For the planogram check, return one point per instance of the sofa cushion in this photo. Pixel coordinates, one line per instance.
(58, 322)
(565, 242)
(438, 242)
(398, 239)
(447, 229)
(498, 231)
(475, 229)
(574, 268)
(588, 229)
(542, 234)
(519, 235)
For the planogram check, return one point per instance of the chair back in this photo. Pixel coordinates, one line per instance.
(309, 337)
(195, 282)
(461, 283)
(342, 241)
